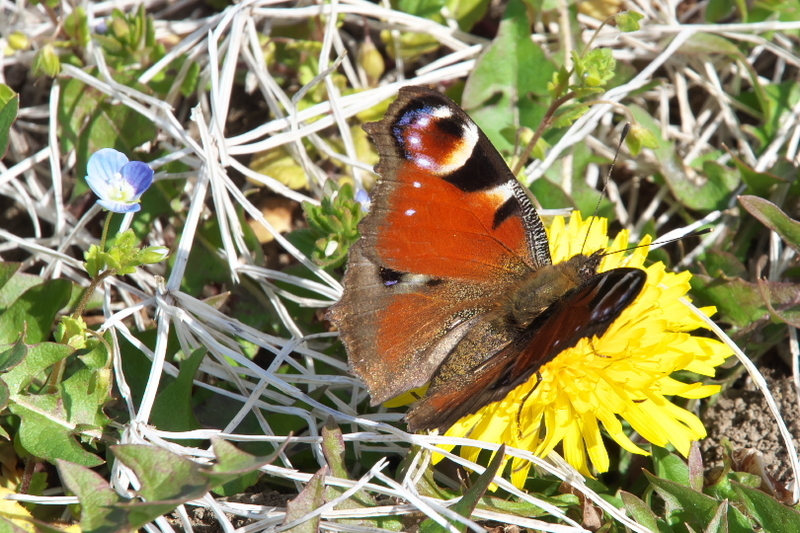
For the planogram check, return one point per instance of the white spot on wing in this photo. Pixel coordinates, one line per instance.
(442, 112)
(419, 279)
(410, 212)
(461, 151)
(417, 185)
(501, 193)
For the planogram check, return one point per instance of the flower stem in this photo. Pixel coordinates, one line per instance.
(543, 125)
(105, 232)
(57, 373)
(89, 291)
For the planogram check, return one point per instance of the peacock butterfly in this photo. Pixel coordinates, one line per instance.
(451, 282)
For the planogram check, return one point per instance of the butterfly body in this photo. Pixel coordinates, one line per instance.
(452, 281)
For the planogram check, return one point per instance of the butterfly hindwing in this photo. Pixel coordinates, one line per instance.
(398, 328)
(582, 312)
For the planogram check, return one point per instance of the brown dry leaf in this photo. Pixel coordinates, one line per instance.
(278, 211)
(600, 9)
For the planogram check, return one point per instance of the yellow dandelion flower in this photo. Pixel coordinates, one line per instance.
(622, 375)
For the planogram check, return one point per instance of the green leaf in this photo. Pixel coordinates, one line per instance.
(669, 466)
(309, 499)
(773, 218)
(639, 510)
(719, 522)
(190, 82)
(333, 224)
(722, 488)
(769, 104)
(98, 514)
(233, 463)
(172, 410)
(164, 476)
(167, 481)
(5, 395)
(466, 505)
(468, 12)
(476, 492)
(16, 286)
(717, 10)
(772, 515)
(76, 25)
(333, 448)
(7, 271)
(94, 260)
(724, 264)
(34, 312)
(371, 60)
(9, 105)
(628, 21)
(639, 138)
(742, 303)
(12, 355)
(509, 81)
(595, 68)
(50, 422)
(46, 61)
(72, 331)
(39, 357)
(84, 400)
(760, 183)
(720, 181)
(693, 507)
(45, 431)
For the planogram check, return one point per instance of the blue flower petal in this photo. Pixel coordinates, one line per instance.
(139, 175)
(363, 198)
(104, 165)
(119, 207)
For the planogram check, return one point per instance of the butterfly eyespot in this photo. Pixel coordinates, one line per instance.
(389, 277)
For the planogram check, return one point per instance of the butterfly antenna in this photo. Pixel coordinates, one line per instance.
(625, 130)
(662, 243)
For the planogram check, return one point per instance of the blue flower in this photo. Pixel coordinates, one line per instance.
(363, 198)
(116, 181)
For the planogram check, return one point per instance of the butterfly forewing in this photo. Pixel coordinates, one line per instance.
(447, 205)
